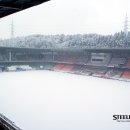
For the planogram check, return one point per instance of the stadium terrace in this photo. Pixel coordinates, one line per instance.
(103, 63)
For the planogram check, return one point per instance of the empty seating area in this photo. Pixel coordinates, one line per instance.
(117, 62)
(128, 63)
(126, 74)
(48, 66)
(3, 57)
(94, 71)
(82, 60)
(67, 68)
(58, 67)
(66, 58)
(113, 73)
(72, 59)
(105, 65)
(102, 72)
(86, 71)
(99, 72)
(77, 69)
(0, 69)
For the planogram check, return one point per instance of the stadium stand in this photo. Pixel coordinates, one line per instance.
(82, 59)
(8, 7)
(114, 73)
(6, 124)
(58, 67)
(117, 62)
(108, 64)
(77, 69)
(0, 69)
(99, 59)
(66, 58)
(126, 75)
(128, 63)
(86, 71)
(94, 71)
(67, 68)
(69, 59)
(49, 66)
(99, 72)
(3, 57)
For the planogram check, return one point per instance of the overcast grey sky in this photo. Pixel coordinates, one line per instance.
(68, 17)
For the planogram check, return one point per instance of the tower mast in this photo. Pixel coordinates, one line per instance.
(126, 25)
(12, 28)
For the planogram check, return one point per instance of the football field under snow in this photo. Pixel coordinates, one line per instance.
(45, 100)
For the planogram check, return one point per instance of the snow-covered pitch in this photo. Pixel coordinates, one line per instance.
(45, 100)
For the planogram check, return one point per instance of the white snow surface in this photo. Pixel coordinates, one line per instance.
(45, 100)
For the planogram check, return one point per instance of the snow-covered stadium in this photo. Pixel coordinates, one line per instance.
(72, 82)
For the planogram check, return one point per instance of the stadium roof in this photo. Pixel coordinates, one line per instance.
(8, 7)
(96, 50)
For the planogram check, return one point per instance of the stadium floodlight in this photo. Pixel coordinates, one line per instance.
(12, 28)
(126, 25)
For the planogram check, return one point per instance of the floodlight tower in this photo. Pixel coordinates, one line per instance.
(12, 40)
(12, 28)
(126, 25)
